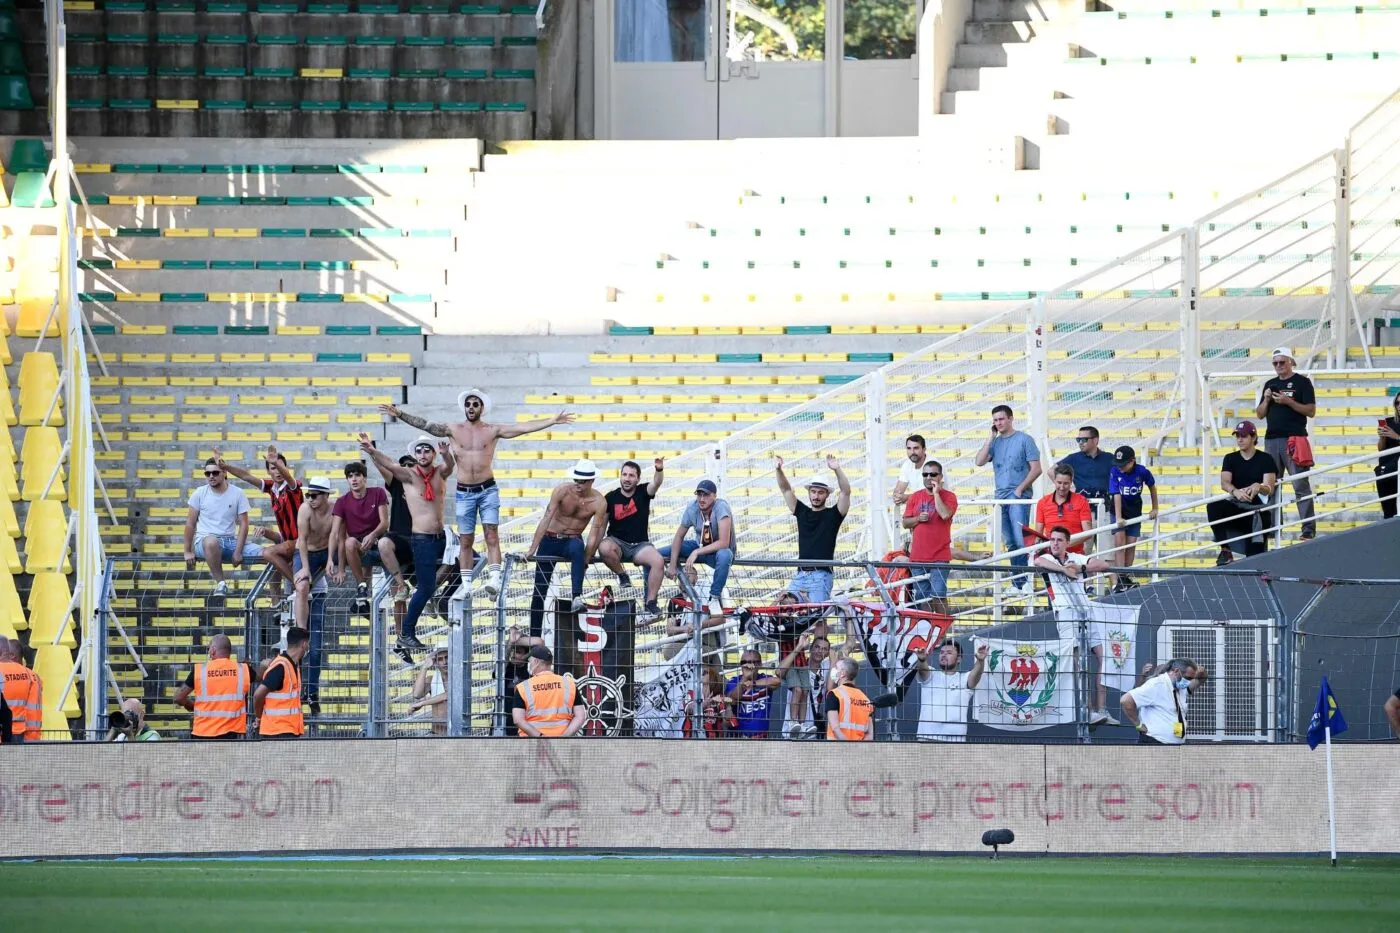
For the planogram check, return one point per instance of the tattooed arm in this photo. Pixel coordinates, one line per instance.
(435, 428)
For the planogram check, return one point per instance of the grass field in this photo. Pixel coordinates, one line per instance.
(1122, 895)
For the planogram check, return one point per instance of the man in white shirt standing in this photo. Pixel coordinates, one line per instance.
(1072, 605)
(216, 526)
(945, 693)
(1157, 707)
(910, 481)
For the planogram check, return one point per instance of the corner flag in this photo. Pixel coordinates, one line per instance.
(1324, 715)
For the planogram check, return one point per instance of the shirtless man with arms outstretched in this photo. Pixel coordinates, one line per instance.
(572, 506)
(424, 485)
(474, 447)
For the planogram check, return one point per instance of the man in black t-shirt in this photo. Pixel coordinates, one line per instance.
(1249, 475)
(817, 527)
(1287, 402)
(628, 539)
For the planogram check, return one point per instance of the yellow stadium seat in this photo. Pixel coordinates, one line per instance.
(9, 555)
(54, 665)
(11, 610)
(41, 444)
(39, 456)
(6, 356)
(45, 536)
(7, 445)
(55, 725)
(49, 615)
(38, 382)
(9, 523)
(9, 484)
(33, 313)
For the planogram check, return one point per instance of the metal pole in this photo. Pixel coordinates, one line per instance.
(1341, 251)
(378, 711)
(459, 667)
(876, 454)
(499, 705)
(1190, 363)
(1037, 395)
(1293, 642)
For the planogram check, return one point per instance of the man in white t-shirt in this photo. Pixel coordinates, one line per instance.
(945, 693)
(911, 470)
(1157, 707)
(803, 709)
(1072, 605)
(216, 526)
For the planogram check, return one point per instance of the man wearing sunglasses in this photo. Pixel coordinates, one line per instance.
(1091, 467)
(423, 489)
(285, 494)
(1288, 401)
(314, 521)
(928, 515)
(216, 526)
(474, 451)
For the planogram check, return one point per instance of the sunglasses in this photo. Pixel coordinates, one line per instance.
(315, 495)
(1082, 440)
(933, 474)
(1280, 362)
(469, 403)
(213, 472)
(422, 447)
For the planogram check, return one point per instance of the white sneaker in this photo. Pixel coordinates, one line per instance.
(715, 606)
(1108, 720)
(491, 586)
(282, 642)
(221, 588)
(578, 605)
(1099, 717)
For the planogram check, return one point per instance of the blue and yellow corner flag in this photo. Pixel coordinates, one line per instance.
(1326, 714)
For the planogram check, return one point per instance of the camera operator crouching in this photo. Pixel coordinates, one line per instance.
(128, 724)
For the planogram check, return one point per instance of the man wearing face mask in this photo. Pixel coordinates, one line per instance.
(1157, 707)
(850, 716)
(547, 704)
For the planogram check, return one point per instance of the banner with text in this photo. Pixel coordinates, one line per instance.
(508, 794)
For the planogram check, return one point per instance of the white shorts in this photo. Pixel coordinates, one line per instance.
(1102, 619)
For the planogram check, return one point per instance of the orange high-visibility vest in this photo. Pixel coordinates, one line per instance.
(549, 702)
(281, 713)
(853, 720)
(23, 694)
(220, 698)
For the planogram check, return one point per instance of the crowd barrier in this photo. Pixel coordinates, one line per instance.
(510, 794)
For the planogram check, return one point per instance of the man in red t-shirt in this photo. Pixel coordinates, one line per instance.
(1064, 507)
(928, 515)
(358, 521)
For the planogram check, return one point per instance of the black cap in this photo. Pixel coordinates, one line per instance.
(1124, 454)
(541, 653)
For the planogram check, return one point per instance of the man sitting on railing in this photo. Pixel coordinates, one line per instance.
(1072, 605)
(1249, 475)
(716, 540)
(216, 526)
(817, 528)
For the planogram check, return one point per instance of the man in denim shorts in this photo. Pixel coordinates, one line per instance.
(216, 527)
(478, 499)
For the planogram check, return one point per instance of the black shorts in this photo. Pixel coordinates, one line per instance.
(403, 552)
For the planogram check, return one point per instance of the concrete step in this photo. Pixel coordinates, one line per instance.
(266, 313)
(350, 281)
(261, 124)
(979, 32)
(415, 250)
(432, 215)
(454, 154)
(1023, 10)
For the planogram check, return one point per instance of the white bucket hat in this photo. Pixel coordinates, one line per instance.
(485, 399)
(419, 441)
(584, 470)
(319, 483)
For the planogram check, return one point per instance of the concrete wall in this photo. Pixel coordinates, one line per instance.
(487, 794)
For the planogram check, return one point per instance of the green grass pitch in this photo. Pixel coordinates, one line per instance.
(1122, 895)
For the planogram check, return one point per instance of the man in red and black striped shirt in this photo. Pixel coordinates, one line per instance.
(285, 493)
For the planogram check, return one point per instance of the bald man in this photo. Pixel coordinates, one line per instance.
(220, 689)
(134, 728)
(23, 692)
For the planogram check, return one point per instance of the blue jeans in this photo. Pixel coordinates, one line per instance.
(484, 503)
(570, 548)
(427, 554)
(719, 560)
(811, 586)
(935, 587)
(1012, 535)
(316, 622)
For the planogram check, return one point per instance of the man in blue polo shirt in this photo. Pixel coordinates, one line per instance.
(1091, 467)
(1015, 468)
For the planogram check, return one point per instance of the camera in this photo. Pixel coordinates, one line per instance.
(118, 720)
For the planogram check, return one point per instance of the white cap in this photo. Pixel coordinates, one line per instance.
(419, 441)
(584, 470)
(485, 399)
(819, 484)
(1284, 351)
(319, 483)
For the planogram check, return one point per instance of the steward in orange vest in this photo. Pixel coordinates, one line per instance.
(277, 701)
(547, 704)
(849, 713)
(23, 693)
(217, 694)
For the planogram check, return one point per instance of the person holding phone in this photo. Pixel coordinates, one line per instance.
(1015, 460)
(1388, 430)
(928, 516)
(1286, 404)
